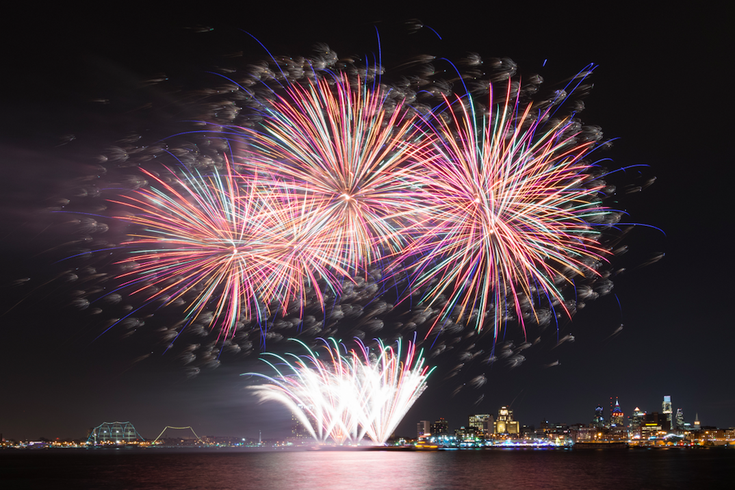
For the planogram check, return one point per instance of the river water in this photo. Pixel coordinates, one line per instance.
(111, 469)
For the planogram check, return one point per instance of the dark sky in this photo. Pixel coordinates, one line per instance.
(661, 88)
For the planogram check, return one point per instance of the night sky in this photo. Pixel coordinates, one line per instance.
(661, 89)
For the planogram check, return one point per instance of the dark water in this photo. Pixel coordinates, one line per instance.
(159, 469)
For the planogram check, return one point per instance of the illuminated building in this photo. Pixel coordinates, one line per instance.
(697, 425)
(298, 430)
(666, 409)
(679, 420)
(650, 426)
(649, 430)
(114, 432)
(505, 423)
(462, 433)
(616, 416)
(528, 431)
(555, 431)
(481, 423)
(440, 427)
(636, 421)
(599, 419)
(653, 425)
(423, 428)
(582, 433)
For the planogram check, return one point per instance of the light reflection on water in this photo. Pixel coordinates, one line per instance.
(154, 469)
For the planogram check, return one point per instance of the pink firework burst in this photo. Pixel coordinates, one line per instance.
(350, 147)
(224, 243)
(513, 208)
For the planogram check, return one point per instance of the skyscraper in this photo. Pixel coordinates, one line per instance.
(298, 430)
(599, 419)
(616, 416)
(505, 423)
(479, 423)
(679, 421)
(440, 427)
(636, 421)
(666, 409)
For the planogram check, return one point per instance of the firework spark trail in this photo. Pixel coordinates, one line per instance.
(337, 141)
(348, 396)
(391, 394)
(223, 239)
(512, 210)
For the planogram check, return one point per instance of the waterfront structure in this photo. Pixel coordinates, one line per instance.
(505, 423)
(179, 438)
(697, 424)
(114, 433)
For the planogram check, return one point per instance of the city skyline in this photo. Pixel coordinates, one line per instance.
(662, 331)
(283, 428)
(500, 422)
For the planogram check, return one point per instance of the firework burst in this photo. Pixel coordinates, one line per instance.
(513, 203)
(347, 144)
(223, 243)
(348, 396)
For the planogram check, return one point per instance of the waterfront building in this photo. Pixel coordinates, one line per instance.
(654, 425)
(505, 423)
(543, 428)
(479, 423)
(697, 424)
(649, 430)
(299, 431)
(423, 429)
(527, 431)
(440, 427)
(558, 431)
(709, 436)
(583, 433)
